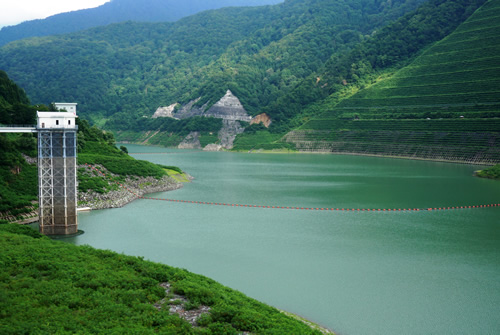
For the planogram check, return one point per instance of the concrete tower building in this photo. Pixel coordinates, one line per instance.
(57, 171)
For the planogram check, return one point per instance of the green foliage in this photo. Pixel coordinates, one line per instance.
(124, 149)
(53, 287)
(18, 179)
(14, 104)
(294, 61)
(122, 165)
(10, 93)
(491, 173)
(208, 139)
(175, 168)
(21, 230)
(97, 147)
(254, 128)
(168, 131)
(124, 71)
(401, 40)
(445, 81)
(169, 125)
(260, 139)
(94, 181)
(100, 142)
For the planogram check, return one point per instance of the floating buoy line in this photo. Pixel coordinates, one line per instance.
(302, 208)
(165, 153)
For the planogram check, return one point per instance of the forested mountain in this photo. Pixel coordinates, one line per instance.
(292, 61)
(389, 48)
(118, 11)
(259, 53)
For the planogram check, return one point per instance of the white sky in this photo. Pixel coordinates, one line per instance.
(13, 12)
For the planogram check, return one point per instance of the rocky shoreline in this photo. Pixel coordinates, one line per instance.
(132, 188)
(29, 216)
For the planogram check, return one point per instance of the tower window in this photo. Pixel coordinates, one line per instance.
(57, 122)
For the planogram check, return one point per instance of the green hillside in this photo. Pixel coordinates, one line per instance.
(444, 105)
(52, 287)
(123, 72)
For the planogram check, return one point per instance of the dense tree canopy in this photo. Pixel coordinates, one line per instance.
(259, 53)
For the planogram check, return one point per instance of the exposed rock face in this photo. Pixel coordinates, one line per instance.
(132, 188)
(228, 133)
(262, 118)
(165, 111)
(213, 147)
(192, 141)
(229, 107)
(30, 215)
(177, 304)
(190, 110)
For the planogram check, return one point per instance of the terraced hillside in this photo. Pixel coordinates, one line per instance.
(444, 106)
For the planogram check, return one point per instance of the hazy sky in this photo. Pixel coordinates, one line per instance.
(16, 11)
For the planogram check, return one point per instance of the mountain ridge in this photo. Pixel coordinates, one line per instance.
(116, 11)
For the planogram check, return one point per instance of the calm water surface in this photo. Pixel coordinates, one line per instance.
(357, 273)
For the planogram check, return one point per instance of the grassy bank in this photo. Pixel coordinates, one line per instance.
(49, 287)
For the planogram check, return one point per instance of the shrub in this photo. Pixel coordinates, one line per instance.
(222, 329)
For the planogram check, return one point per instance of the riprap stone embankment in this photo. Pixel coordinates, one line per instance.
(130, 189)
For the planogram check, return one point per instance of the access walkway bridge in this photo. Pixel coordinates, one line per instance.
(18, 128)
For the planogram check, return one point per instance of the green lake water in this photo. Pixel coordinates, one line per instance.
(371, 272)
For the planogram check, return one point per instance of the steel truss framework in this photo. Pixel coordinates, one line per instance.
(57, 184)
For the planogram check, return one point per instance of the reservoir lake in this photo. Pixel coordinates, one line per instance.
(366, 272)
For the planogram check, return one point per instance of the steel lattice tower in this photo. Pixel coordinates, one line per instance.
(57, 194)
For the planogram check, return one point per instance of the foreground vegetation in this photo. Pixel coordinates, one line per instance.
(53, 287)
